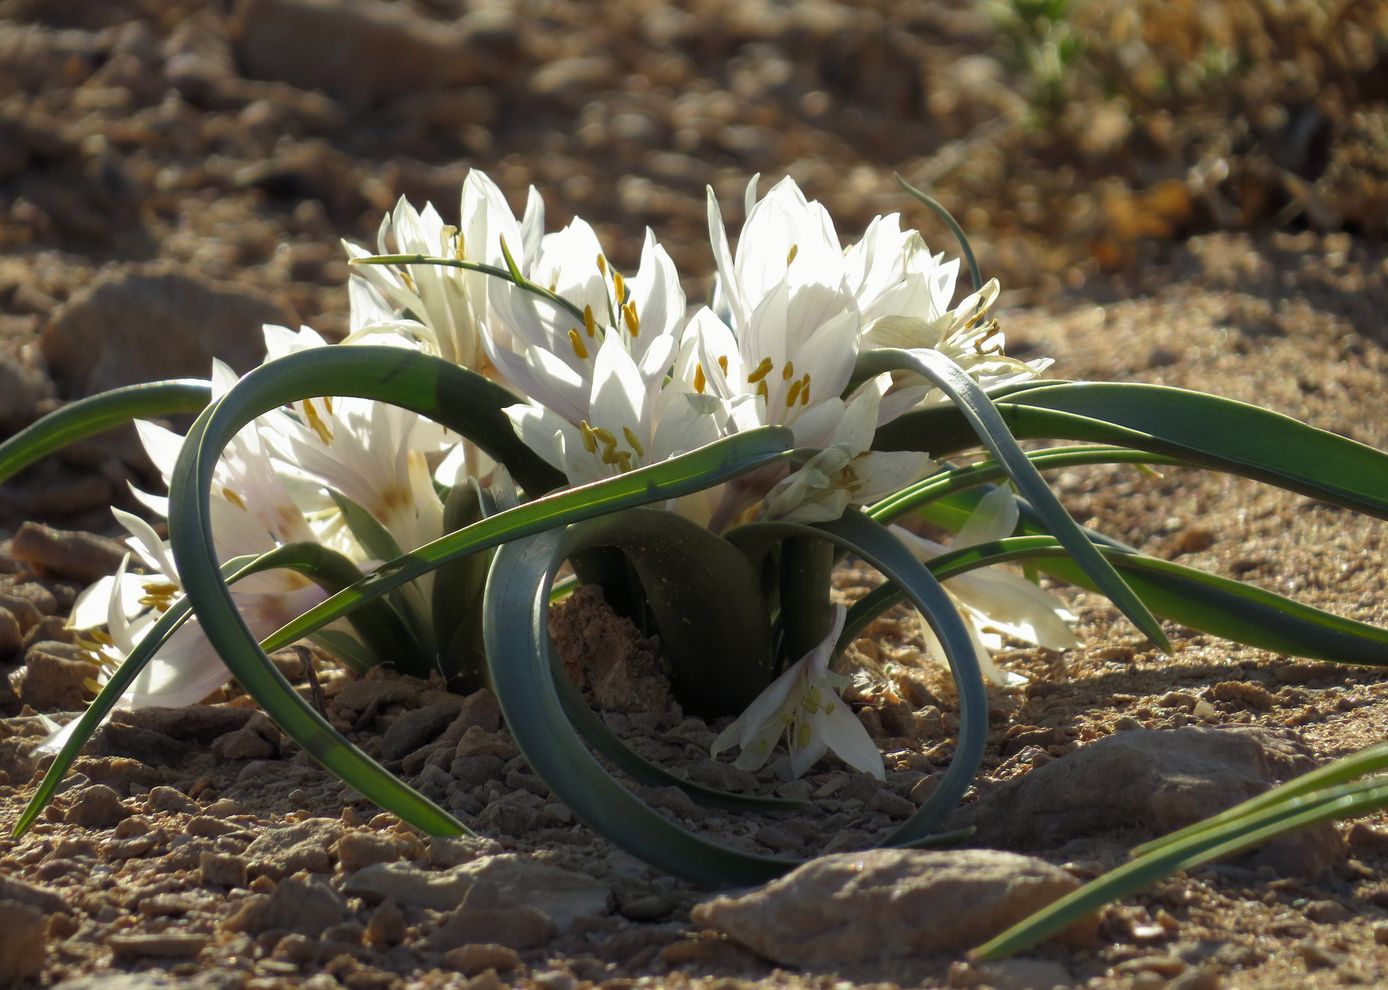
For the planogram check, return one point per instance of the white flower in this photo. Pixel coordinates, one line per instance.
(846, 472)
(444, 309)
(805, 701)
(994, 601)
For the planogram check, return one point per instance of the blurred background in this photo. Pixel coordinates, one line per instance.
(175, 172)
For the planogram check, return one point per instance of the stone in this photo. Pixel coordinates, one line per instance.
(415, 728)
(84, 557)
(386, 926)
(1155, 780)
(96, 806)
(257, 739)
(476, 957)
(356, 850)
(169, 799)
(223, 869)
(562, 895)
(25, 612)
(171, 324)
(11, 633)
(22, 388)
(1026, 974)
(46, 899)
(23, 942)
(298, 903)
(301, 846)
(886, 903)
(516, 928)
(55, 683)
(364, 51)
(195, 723)
(161, 945)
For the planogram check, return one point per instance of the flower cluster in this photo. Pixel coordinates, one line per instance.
(610, 372)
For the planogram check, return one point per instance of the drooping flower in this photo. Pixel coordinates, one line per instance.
(804, 703)
(994, 601)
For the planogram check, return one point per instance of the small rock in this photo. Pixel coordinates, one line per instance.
(84, 557)
(886, 903)
(11, 633)
(408, 885)
(298, 903)
(195, 723)
(172, 323)
(517, 928)
(23, 942)
(46, 899)
(359, 849)
(25, 612)
(480, 709)
(37, 595)
(1153, 779)
(386, 926)
(451, 850)
(258, 739)
(55, 683)
(222, 869)
(96, 806)
(364, 50)
(171, 800)
(302, 846)
(1026, 974)
(475, 957)
(163, 945)
(415, 728)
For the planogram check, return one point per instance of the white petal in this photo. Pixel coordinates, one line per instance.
(994, 518)
(845, 735)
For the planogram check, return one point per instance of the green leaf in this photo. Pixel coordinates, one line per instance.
(1198, 845)
(453, 396)
(978, 411)
(88, 417)
(1226, 608)
(318, 563)
(1203, 430)
(457, 592)
(975, 276)
(521, 666)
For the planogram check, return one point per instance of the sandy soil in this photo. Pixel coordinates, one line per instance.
(168, 140)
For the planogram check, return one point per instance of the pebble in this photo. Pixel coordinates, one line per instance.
(362, 848)
(46, 899)
(887, 903)
(11, 633)
(222, 869)
(84, 557)
(163, 945)
(96, 806)
(415, 728)
(475, 957)
(55, 683)
(297, 903)
(278, 852)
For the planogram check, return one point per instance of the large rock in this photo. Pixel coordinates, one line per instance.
(359, 51)
(1156, 781)
(886, 903)
(141, 325)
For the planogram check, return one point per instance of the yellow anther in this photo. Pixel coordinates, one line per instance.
(761, 371)
(590, 325)
(633, 442)
(408, 279)
(590, 442)
(90, 683)
(602, 265)
(576, 342)
(829, 708)
(328, 404)
(234, 498)
(101, 637)
(152, 588)
(763, 391)
(805, 394)
(790, 255)
(316, 421)
(803, 735)
(632, 321)
(812, 698)
(619, 287)
(604, 436)
(788, 372)
(723, 363)
(624, 460)
(610, 455)
(793, 394)
(699, 380)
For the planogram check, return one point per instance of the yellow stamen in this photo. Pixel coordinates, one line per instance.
(235, 499)
(328, 404)
(699, 380)
(610, 455)
(632, 321)
(633, 442)
(788, 372)
(805, 395)
(790, 255)
(604, 436)
(803, 735)
(793, 394)
(602, 265)
(590, 325)
(577, 342)
(590, 442)
(761, 371)
(316, 421)
(619, 287)
(408, 279)
(763, 391)
(723, 363)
